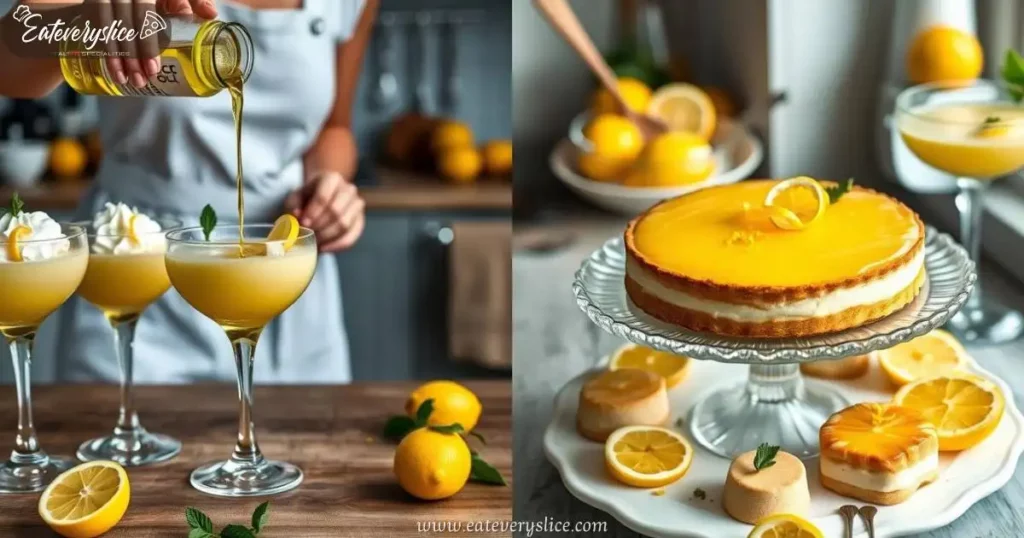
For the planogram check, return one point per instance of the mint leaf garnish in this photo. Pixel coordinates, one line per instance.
(765, 456)
(208, 220)
(837, 191)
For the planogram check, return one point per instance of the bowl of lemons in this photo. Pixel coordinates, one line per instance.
(606, 160)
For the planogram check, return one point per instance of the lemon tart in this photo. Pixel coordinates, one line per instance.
(877, 452)
(711, 261)
(616, 398)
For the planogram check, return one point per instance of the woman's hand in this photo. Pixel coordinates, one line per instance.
(332, 208)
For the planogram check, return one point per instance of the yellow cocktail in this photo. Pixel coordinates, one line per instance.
(242, 287)
(41, 264)
(126, 273)
(974, 131)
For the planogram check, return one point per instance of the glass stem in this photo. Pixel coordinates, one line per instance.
(774, 383)
(127, 419)
(969, 203)
(26, 446)
(247, 451)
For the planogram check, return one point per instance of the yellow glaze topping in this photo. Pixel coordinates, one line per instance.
(715, 235)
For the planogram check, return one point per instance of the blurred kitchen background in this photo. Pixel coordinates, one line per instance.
(427, 288)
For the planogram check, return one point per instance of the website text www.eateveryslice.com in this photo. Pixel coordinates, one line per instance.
(523, 528)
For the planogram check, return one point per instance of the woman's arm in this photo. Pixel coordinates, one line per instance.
(328, 202)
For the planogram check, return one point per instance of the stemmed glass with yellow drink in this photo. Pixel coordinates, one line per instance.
(126, 274)
(41, 264)
(241, 283)
(973, 130)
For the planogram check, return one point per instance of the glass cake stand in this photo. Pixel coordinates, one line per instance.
(773, 405)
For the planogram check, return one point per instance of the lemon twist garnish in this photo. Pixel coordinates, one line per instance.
(17, 234)
(792, 209)
(132, 236)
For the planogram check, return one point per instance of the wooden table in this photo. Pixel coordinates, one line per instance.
(331, 432)
(554, 342)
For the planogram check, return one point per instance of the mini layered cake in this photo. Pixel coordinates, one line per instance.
(751, 494)
(700, 261)
(617, 398)
(879, 453)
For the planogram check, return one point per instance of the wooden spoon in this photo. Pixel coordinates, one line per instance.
(562, 18)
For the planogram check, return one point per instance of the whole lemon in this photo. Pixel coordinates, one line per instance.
(636, 94)
(450, 133)
(944, 53)
(615, 144)
(452, 403)
(460, 163)
(498, 157)
(671, 159)
(68, 158)
(432, 465)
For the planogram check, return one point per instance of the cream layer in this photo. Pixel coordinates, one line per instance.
(880, 481)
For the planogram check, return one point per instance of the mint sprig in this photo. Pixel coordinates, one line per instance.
(836, 192)
(17, 205)
(1013, 74)
(201, 526)
(765, 456)
(208, 220)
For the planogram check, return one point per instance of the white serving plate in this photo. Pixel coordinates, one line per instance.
(737, 154)
(965, 478)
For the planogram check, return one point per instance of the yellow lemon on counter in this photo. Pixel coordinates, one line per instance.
(671, 159)
(615, 144)
(86, 501)
(449, 134)
(460, 164)
(636, 94)
(943, 53)
(432, 465)
(452, 403)
(498, 157)
(68, 158)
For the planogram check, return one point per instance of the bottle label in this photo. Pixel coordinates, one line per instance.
(170, 81)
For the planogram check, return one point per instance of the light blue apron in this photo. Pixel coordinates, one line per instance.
(173, 156)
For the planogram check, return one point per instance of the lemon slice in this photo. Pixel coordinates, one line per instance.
(671, 367)
(87, 500)
(785, 526)
(133, 237)
(934, 354)
(286, 230)
(797, 203)
(647, 456)
(17, 234)
(684, 107)
(965, 409)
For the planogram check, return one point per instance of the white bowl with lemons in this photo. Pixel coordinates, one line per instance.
(624, 181)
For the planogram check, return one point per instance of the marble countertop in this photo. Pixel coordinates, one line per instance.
(555, 342)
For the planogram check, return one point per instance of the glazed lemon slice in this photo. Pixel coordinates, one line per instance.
(13, 249)
(684, 107)
(647, 456)
(87, 500)
(964, 409)
(785, 526)
(796, 203)
(671, 367)
(934, 354)
(286, 230)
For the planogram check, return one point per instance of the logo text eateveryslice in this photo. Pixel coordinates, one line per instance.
(88, 35)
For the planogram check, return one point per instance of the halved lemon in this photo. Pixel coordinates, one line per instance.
(965, 409)
(286, 230)
(647, 456)
(796, 202)
(937, 353)
(17, 234)
(785, 526)
(684, 107)
(87, 500)
(671, 367)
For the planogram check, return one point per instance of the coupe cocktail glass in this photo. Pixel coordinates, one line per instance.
(122, 285)
(975, 131)
(242, 294)
(29, 292)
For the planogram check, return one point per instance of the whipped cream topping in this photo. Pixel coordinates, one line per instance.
(38, 244)
(831, 303)
(910, 477)
(113, 224)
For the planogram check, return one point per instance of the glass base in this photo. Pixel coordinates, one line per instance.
(142, 448)
(233, 479)
(773, 407)
(32, 477)
(987, 323)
